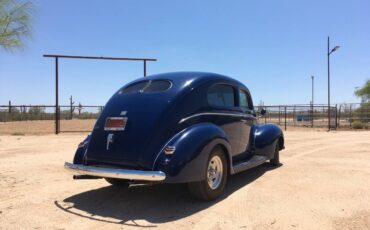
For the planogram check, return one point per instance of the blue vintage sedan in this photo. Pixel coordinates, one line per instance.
(185, 127)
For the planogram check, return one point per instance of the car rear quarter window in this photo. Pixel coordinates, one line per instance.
(243, 100)
(221, 96)
(154, 86)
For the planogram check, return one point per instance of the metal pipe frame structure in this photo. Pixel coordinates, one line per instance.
(57, 56)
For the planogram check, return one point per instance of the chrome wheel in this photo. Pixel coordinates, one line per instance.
(214, 172)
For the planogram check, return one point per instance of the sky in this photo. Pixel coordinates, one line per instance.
(273, 47)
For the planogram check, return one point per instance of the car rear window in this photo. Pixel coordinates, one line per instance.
(136, 87)
(157, 86)
(154, 86)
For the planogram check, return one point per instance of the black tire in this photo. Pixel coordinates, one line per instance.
(276, 160)
(202, 190)
(117, 182)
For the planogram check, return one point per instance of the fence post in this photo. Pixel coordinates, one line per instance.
(10, 106)
(265, 115)
(350, 116)
(57, 109)
(59, 119)
(311, 115)
(336, 116)
(285, 116)
(340, 107)
(279, 114)
(323, 111)
(294, 118)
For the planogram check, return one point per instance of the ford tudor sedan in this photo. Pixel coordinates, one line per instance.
(186, 127)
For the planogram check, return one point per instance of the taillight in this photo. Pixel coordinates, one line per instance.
(115, 123)
(169, 150)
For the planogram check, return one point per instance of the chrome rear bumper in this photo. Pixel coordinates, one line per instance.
(127, 174)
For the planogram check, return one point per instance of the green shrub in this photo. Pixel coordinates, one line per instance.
(358, 125)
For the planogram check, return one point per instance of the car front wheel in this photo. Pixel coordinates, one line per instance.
(216, 177)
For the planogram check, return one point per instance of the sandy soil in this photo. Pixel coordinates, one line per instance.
(323, 184)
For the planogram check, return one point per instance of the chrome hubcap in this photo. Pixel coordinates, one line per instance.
(214, 172)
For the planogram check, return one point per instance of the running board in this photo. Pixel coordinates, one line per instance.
(251, 163)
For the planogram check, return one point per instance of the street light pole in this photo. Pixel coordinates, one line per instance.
(329, 52)
(328, 84)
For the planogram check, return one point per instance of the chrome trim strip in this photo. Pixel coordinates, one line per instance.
(217, 114)
(115, 172)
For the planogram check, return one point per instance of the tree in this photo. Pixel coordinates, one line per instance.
(15, 19)
(364, 92)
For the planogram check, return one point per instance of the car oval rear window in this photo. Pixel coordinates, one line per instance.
(157, 86)
(154, 86)
(136, 87)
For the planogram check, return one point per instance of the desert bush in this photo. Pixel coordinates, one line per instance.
(358, 125)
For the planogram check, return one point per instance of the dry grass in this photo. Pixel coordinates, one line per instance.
(44, 127)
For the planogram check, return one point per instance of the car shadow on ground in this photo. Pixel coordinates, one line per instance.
(154, 204)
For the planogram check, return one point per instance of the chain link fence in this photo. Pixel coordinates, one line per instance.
(343, 116)
(81, 118)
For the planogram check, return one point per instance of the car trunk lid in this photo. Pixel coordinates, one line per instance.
(124, 129)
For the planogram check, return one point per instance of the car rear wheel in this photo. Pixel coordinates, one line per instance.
(276, 160)
(117, 182)
(216, 177)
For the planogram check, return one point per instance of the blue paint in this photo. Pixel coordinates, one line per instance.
(180, 117)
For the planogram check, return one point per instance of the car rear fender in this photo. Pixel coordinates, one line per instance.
(265, 139)
(81, 151)
(192, 148)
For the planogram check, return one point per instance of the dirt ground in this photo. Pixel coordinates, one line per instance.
(323, 184)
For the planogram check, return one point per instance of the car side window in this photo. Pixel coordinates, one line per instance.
(221, 95)
(244, 101)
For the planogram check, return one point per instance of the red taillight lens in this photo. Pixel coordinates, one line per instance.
(115, 123)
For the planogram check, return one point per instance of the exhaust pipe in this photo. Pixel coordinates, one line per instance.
(84, 177)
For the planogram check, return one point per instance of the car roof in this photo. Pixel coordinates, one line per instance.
(191, 79)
